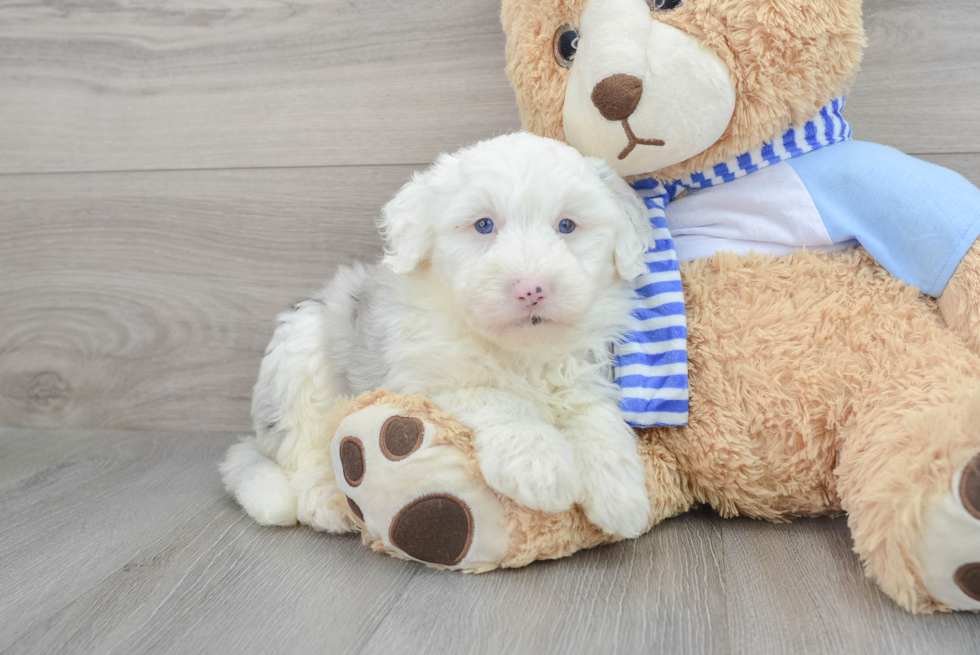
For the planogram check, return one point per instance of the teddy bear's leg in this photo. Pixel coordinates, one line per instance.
(414, 487)
(908, 478)
(960, 301)
(951, 549)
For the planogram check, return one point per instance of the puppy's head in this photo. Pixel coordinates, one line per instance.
(528, 239)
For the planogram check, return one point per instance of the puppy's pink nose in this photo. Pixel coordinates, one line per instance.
(530, 292)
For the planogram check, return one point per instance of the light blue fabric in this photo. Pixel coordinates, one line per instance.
(916, 219)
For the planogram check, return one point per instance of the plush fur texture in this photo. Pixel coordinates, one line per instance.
(958, 302)
(819, 383)
(507, 327)
(786, 59)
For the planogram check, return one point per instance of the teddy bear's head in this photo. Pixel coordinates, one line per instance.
(671, 87)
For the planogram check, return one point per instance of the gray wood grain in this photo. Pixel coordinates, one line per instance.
(221, 583)
(145, 300)
(84, 516)
(209, 84)
(798, 588)
(130, 546)
(198, 84)
(24, 453)
(919, 86)
(663, 592)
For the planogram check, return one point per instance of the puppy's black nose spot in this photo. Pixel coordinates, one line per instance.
(537, 290)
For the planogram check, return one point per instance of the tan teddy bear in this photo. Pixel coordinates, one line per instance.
(819, 380)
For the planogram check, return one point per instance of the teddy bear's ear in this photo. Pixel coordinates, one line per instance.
(634, 234)
(406, 221)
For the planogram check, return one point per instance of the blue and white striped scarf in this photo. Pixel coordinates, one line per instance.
(651, 362)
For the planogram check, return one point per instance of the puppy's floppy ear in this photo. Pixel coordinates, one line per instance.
(406, 221)
(634, 234)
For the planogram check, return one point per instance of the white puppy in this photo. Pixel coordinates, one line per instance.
(502, 288)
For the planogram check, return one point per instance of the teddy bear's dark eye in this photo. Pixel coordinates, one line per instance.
(664, 5)
(566, 45)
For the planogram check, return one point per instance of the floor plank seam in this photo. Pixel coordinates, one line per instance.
(390, 609)
(219, 169)
(211, 169)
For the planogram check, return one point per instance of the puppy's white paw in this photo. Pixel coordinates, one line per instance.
(616, 499)
(259, 485)
(318, 501)
(534, 465)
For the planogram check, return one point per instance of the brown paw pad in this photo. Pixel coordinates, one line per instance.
(352, 460)
(967, 577)
(400, 437)
(437, 528)
(970, 487)
(354, 508)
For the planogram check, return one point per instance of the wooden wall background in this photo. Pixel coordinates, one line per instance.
(173, 174)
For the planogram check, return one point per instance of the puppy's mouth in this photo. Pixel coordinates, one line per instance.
(634, 141)
(533, 321)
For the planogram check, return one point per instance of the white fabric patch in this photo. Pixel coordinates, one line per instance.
(768, 212)
(951, 538)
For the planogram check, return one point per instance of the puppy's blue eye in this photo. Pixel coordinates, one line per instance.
(566, 226)
(484, 226)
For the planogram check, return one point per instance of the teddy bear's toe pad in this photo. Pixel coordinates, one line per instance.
(437, 528)
(414, 493)
(970, 487)
(400, 437)
(352, 460)
(967, 577)
(951, 541)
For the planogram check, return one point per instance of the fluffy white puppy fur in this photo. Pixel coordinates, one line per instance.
(509, 329)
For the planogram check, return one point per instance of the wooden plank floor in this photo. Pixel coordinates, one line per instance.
(172, 175)
(124, 542)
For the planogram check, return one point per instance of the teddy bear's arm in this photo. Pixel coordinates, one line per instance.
(960, 302)
(917, 220)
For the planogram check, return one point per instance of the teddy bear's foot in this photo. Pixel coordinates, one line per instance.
(951, 547)
(413, 492)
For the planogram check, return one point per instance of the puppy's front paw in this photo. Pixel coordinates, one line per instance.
(617, 501)
(534, 465)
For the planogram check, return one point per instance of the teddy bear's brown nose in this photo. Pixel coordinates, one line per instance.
(617, 96)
